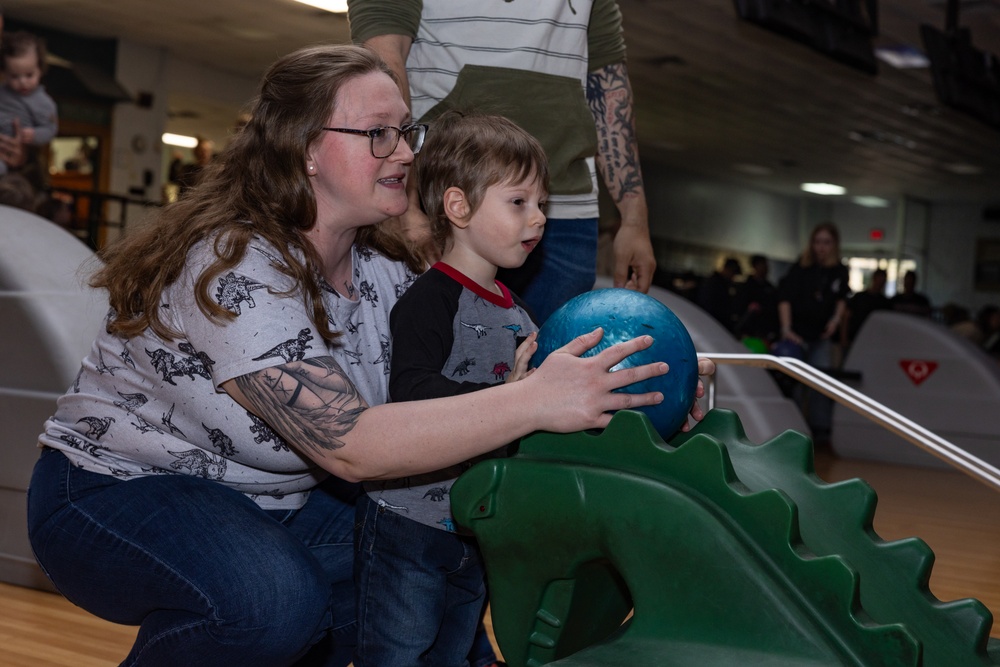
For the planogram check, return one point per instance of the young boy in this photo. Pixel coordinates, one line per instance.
(22, 96)
(484, 183)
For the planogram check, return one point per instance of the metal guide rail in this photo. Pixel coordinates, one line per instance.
(855, 400)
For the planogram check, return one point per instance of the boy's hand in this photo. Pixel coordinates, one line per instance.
(521, 358)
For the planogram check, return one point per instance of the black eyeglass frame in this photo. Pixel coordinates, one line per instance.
(372, 134)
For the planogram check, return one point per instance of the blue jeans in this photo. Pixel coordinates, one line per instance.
(420, 592)
(210, 578)
(819, 411)
(567, 267)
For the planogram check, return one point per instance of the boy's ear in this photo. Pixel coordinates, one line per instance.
(456, 206)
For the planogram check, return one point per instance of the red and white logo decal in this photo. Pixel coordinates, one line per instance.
(918, 370)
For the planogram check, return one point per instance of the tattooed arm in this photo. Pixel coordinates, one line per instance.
(315, 407)
(610, 97)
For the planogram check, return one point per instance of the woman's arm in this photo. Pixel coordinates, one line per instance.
(785, 319)
(314, 406)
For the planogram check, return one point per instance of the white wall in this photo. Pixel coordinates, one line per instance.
(167, 78)
(694, 210)
(135, 143)
(954, 230)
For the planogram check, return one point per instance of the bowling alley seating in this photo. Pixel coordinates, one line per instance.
(49, 319)
(926, 373)
(750, 392)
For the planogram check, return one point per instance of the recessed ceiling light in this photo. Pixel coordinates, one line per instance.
(963, 169)
(335, 6)
(871, 202)
(823, 188)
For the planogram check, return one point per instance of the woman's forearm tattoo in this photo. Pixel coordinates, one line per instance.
(311, 403)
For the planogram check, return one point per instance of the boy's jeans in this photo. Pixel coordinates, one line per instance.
(420, 591)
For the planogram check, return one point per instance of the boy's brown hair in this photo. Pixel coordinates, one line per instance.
(472, 152)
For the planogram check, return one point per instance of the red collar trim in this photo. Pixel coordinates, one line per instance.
(504, 300)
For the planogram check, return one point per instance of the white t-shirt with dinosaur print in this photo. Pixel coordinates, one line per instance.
(146, 406)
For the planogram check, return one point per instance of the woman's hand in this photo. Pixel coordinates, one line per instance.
(574, 393)
(705, 367)
(522, 355)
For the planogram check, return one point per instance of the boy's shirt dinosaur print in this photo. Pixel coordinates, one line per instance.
(450, 337)
(148, 406)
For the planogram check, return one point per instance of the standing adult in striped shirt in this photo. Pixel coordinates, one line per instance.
(558, 70)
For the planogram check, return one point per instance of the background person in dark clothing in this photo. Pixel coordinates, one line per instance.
(757, 304)
(863, 304)
(718, 291)
(812, 299)
(910, 300)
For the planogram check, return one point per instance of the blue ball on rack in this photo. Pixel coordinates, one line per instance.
(625, 314)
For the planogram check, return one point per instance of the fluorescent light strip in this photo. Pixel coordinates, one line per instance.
(178, 140)
(871, 202)
(333, 6)
(823, 188)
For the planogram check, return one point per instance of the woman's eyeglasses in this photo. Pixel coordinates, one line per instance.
(384, 139)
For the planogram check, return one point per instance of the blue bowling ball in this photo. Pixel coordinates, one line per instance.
(625, 314)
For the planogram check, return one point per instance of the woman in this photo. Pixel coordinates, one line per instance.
(812, 299)
(181, 481)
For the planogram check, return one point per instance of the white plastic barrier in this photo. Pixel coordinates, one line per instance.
(928, 374)
(48, 320)
(750, 392)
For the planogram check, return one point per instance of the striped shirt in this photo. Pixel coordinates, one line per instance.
(526, 60)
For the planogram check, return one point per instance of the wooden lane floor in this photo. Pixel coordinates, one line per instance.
(957, 516)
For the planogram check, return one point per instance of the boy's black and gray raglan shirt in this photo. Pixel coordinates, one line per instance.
(449, 336)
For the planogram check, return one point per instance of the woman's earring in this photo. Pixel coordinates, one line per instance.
(311, 168)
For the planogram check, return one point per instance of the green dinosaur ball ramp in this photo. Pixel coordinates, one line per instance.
(728, 552)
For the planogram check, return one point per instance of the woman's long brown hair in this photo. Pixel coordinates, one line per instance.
(257, 187)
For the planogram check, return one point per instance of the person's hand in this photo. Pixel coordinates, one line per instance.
(12, 147)
(788, 334)
(831, 328)
(522, 355)
(415, 228)
(574, 393)
(634, 258)
(705, 367)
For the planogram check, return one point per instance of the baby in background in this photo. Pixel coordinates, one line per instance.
(22, 96)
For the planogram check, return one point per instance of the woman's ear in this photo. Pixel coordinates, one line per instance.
(456, 206)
